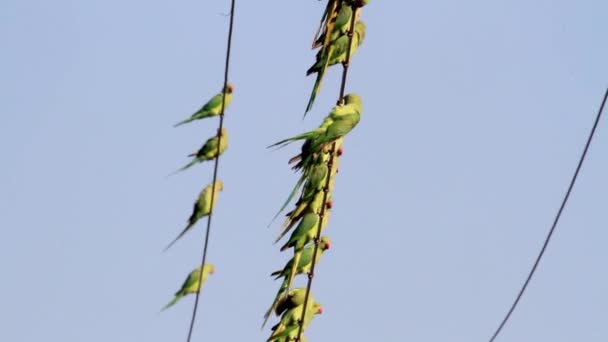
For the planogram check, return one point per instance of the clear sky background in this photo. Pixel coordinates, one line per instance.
(475, 113)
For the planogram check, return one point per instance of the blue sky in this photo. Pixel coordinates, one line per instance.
(475, 113)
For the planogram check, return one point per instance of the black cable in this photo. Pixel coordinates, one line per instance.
(555, 221)
(330, 164)
(215, 168)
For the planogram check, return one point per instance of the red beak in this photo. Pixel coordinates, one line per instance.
(330, 204)
(327, 245)
(320, 310)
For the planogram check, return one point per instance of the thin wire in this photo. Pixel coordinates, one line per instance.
(215, 169)
(330, 165)
(555, 221)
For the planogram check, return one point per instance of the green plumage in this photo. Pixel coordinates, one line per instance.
(288, 327)
(335, 53)
(209, 150)
(340, 121)
(339, 25)
(303, 266)
(312, 180)
(212, 108)
(192, 284)
(202, 207)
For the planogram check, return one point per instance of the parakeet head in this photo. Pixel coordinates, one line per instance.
(325, 243)
(360, 30)
(352, 99)
(209, 268)
(219, 185)
(229, 88)
(317, 308)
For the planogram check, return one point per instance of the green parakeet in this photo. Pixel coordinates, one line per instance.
(338, 25)
(335, 53)
(312, 180)
(340, 121)
(209, 150)
(294, 298)
(202, 207)
(303, 207)
(303, 266)
(285, 301)
(288, 327)
(191, 284)
(211, 108)
(303, 233)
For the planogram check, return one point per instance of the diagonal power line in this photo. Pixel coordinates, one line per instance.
(330, 164)
(215, 168)
(555, 221)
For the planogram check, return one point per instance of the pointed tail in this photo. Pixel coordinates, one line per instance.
(183, 122)
(172, 302)
(178, 237)
(315, 91)
(280, 294)
(289, 198)
(194, 161)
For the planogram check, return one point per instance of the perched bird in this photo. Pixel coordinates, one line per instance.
(335, 53)
(303, 266)
(306, 231)
(202, 207)
(294, 298)
(311, 179)
(191, 284)
(209, 150)
(303, 233)
(286, 301)
(338, 24)
(302, 208)
(211, 108)
(340, 121)
(289, 325)
(328, 20)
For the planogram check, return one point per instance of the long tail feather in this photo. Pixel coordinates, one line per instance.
(178, 237)
(294, 268)
(172, 302)
(184, 122)
(194, 161)
(280, 294)
(315, 91)
(289, 198)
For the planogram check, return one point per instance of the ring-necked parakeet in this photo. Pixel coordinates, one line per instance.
(211, 108)
(303, 207)
(191, 284)
(303, 266)
(295, 297)
(209, 150)
(335, 53)
(202, 207)
(338, 25)
(289, 325)
(285, 301)
(306, 231)
(312, 180)
(340, 121)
